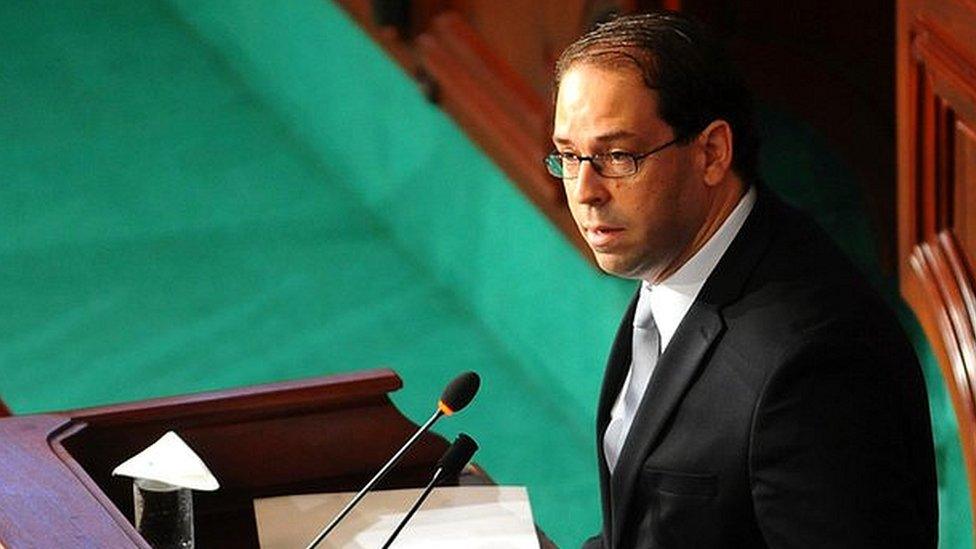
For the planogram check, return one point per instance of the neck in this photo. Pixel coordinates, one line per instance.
(725, 198)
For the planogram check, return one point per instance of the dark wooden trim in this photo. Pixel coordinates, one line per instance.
(259, 400)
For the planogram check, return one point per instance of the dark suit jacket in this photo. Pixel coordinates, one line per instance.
(788, 410)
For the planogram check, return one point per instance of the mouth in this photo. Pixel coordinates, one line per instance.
(602, 237)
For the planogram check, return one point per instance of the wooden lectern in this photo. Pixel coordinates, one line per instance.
(317, 435)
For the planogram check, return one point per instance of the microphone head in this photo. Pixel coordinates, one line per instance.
(459, 393)
(457, 455)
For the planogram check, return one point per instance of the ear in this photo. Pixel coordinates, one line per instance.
(716, 142)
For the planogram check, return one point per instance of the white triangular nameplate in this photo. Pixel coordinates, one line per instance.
(171, 461)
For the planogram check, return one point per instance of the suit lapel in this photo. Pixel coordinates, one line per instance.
(617, 365)
(675, 371)
(613, 378)
(681, 363)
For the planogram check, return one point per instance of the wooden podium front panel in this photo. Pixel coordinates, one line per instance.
(321, 435)
(936, 62)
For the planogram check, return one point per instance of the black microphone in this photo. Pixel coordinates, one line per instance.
(450, 465)
(455, 397)
(459, 393)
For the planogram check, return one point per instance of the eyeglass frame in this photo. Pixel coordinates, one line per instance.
(557, 156)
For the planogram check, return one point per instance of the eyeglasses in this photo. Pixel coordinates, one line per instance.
(566, 165)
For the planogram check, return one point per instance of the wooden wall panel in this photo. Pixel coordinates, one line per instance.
(965, 197)
(936, 66)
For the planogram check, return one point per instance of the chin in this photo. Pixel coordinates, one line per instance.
(618, 266)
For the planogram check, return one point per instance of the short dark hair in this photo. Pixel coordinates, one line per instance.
(689, 69)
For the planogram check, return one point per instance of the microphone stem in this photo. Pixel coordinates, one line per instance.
(416, 505)
(376, 478)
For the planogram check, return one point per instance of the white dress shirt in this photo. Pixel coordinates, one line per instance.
(670, 301)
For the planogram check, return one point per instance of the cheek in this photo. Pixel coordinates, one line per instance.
(650, 206)
(657, 211)
(575, 209)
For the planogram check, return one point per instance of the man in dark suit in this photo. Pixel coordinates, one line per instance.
(758, 393)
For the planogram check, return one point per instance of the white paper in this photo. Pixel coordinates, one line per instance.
(489, 517)
(170, 460)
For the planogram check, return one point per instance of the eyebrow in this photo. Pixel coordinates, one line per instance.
(612, 136)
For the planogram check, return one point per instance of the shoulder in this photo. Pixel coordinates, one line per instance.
(804, 298)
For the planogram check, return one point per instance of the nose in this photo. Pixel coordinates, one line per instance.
(589, 187)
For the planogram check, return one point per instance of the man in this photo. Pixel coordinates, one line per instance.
(758, 392)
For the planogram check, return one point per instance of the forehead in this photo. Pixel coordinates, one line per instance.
(595, 101)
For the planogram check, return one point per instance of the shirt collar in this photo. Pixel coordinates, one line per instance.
(671, 298)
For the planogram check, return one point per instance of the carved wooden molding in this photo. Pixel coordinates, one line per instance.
(936, 98)
(947, 63)
(947, 306)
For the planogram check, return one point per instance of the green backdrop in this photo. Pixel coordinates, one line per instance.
(197, 194)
